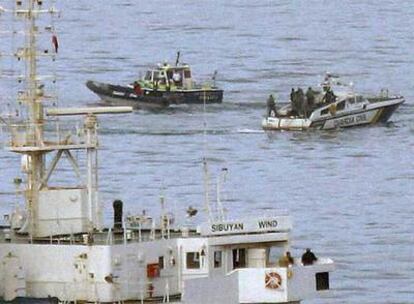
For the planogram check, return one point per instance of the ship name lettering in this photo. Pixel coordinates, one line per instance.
(344, 121)
(361, 117)
(227, 227)
(267, 224)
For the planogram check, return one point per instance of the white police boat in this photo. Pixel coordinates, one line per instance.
(349, 109)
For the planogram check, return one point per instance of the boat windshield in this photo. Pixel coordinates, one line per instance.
(187, 73)
(359, 98)
(148, 75)
(155, 75)
(355, 99)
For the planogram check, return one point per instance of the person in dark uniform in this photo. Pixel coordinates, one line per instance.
(310, 97)
(301, 102)
(271, 106)
(292, 95)
(333, 96)
(293, 102)
(329, 97)
(308, 258)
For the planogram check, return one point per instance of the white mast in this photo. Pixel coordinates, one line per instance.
(50, 210)
(207, 205)
(35, 122)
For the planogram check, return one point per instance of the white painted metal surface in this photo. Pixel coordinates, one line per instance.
(248, 225)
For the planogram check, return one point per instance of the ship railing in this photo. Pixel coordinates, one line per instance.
(274, 213)
(32, 135)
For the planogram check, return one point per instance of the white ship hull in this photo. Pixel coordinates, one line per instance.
(101, 274)
(122, 272)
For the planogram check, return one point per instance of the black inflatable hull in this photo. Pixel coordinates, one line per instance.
(51, 300)
(116, 95)
(196, 96)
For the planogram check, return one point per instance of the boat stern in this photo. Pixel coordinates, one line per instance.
(285, 123)
(284, 285)
(263, 285)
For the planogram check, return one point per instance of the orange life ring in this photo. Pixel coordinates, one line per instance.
(273, 280)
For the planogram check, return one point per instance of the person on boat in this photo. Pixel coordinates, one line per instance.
(176, 78)
(292, 95)
(137, 88)
(301, 102)
(308, 258)
(310, 98)
(329, 96)
(271, 106)
(305, 108)
(333, 96)
(293, 98)
(286, 260)
(155, 85)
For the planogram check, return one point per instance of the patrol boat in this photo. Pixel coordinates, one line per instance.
(55, 248)
(349, 109)
(161, 86)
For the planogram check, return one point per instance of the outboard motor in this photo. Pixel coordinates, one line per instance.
(117, 205)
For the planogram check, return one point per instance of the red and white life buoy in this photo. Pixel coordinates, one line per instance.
(273, 280)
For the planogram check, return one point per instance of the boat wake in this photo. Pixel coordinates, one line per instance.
(250, 131)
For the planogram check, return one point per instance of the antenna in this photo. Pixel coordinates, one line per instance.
(220, 178)
(33, 99)
(214, 77)
(205, 166)
(177, 59)
(29, 139)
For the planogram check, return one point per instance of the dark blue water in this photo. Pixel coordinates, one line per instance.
(349, 192)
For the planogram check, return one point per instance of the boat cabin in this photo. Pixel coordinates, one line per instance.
(243, 256)
(168, 76)
(343, 103)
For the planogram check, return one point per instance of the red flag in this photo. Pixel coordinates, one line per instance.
(55, 43)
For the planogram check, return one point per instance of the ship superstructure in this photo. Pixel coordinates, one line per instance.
(56, 248)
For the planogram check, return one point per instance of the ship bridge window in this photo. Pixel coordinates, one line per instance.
(273, 255)
(161, 262)
(340, 105)
(187, 74)
(147, 75)
(351, 100)
(155, 75)
(218, 259)
(162, 79)
(193, 260)
(239, 258)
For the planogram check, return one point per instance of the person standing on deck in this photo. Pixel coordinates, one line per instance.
(271, 106)
(301, 102)
(308, 258)
(310, 97)
(329, 97)
(293, 101)
(286, 260)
